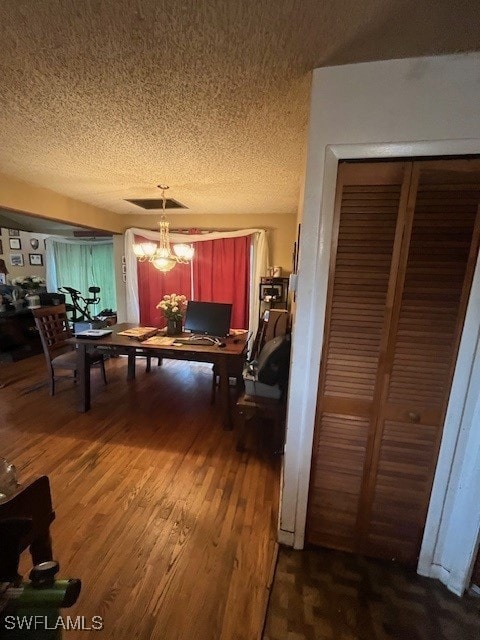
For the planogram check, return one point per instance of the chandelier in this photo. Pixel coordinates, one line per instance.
(161, 255)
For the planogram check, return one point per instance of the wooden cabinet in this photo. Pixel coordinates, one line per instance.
(19, 337)
(404, 248)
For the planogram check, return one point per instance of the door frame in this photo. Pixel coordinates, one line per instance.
(451, 507)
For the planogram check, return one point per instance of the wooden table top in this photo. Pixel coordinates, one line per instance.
(234, 345)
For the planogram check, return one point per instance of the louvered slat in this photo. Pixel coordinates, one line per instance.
(360, 288)
(367, 218)
(424, 352)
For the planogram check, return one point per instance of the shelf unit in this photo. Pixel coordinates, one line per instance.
(273, 294)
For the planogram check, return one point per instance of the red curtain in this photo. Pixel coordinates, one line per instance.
(153, 285)
(221, 273)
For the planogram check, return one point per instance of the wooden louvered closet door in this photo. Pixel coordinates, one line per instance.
(404, 248)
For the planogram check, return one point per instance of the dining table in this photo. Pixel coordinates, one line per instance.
(227, 354)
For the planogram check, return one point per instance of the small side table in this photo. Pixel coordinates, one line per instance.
(249, 407)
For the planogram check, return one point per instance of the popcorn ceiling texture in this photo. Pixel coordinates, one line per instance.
(102, 100)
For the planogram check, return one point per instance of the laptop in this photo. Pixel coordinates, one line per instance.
(94, 333)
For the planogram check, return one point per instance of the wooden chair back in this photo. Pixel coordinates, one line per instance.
(278, 324)
(274, 323)
(54, 330)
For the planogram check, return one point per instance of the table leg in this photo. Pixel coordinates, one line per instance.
(83, 372)
(224, 394)
(131, 365)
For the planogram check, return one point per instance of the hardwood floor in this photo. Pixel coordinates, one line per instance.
(321, 594)
(170, 529)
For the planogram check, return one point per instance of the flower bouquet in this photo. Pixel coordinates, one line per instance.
(29, 283)
(173, 307)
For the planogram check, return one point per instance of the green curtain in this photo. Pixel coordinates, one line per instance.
(85, 265)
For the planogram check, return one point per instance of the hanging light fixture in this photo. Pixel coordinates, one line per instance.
(161, 255)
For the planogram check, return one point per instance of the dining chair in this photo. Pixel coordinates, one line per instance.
(54, 330)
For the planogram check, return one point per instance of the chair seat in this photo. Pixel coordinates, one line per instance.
(66, 360)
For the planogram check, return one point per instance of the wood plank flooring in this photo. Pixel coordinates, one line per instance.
(170, 529)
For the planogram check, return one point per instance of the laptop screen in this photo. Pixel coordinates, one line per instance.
(208, 318)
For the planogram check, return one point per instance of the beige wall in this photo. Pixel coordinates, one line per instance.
(37, 201)
(40, 202)
(26, 249)
(281, 229)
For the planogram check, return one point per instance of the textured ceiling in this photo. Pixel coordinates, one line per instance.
(103, 99)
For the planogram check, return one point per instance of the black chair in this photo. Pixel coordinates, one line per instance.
(54, 330)
(275, 322)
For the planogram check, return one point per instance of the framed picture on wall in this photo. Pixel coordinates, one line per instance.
(16, 259)
(35, 259)
(15, 243)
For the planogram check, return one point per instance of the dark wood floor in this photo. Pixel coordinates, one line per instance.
(170, 529)
(319, 594)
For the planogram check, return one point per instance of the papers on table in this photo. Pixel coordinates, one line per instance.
(139, 333)
(159, 341)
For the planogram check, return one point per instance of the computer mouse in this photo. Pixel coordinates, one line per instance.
(222, 344)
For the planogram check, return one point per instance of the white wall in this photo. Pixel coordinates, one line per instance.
(396, 108)
(120, 271)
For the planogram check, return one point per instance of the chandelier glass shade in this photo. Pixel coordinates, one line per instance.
(161, 255)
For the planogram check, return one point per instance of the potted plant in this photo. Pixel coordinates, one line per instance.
(32, 285)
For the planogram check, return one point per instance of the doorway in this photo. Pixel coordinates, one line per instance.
(404, 248)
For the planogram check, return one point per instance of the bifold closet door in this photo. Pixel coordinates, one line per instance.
(370, 205)
(397, 298)
(432, 291)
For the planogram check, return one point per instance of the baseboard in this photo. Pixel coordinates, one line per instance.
(445, 576)
(286, 538)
